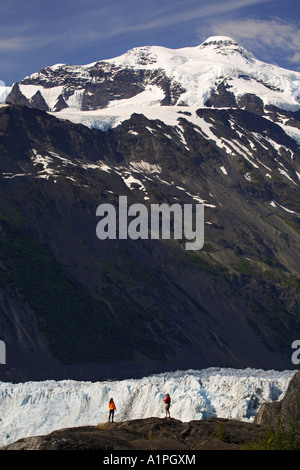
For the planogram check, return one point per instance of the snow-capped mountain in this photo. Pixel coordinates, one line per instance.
(168, 84)
(210, 125)
(152, 77)
(36, 408)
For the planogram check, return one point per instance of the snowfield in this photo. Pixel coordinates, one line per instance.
(36, 408)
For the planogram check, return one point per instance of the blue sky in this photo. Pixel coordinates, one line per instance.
(36, 33)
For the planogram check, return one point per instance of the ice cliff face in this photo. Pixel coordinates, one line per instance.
(35, 408)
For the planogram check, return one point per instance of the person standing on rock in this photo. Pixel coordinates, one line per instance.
(112, 409)
(167, 402)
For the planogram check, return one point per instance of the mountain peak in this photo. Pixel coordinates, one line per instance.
(219, 40)
(225, 45)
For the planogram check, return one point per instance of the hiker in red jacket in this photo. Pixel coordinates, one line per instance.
(112, 408)
(167, 402)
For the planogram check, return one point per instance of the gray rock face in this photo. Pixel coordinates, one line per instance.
(252, 103)
(100, 85)
(222, 98)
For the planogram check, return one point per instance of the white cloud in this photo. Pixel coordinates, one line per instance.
(164, 16)
(89, 24)
(12, 44)
(295, 58)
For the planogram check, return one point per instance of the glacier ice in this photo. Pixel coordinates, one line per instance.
(37, 408)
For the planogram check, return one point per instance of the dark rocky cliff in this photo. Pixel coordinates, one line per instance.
(74, 306)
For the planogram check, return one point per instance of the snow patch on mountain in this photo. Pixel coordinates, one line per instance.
(35, 408)
(145, 167)
(50, 95)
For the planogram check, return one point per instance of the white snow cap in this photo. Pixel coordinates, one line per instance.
(226, 45)
(197, 70)
(219, 39)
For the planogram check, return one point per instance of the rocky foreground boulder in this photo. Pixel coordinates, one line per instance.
(147, 434)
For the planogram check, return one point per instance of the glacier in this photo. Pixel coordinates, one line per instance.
(38, 408)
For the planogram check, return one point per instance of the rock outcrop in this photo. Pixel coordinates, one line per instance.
(286, 411)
